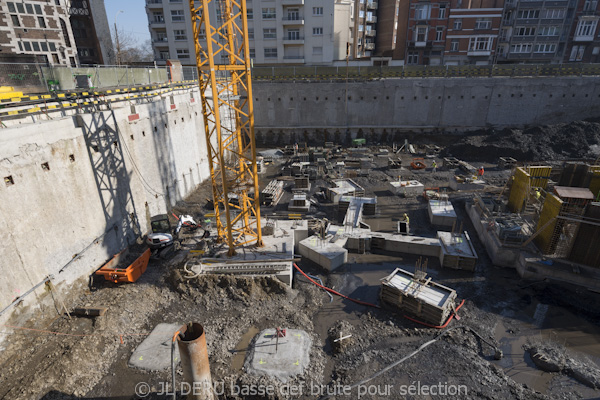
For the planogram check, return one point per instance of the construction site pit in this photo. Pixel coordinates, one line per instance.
(498, 335)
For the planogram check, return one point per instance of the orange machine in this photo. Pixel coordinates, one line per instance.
(417, 163)
(111, 271)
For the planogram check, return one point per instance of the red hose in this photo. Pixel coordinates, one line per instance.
(185, 223)
(364, 303)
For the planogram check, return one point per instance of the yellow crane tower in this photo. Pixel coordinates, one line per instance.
(224, 79)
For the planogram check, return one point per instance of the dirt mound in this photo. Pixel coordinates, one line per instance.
(578, 139)
(234, 287)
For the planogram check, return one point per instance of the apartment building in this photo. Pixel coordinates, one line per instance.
(40, 28)
(364, 28)
(583, 44)
(472, 33)
(292, 32)
(388, 16)
(91, 32)
(426, 32)
(535, 31)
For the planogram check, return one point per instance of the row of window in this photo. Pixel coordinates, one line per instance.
(16, 21)
(36, 46)
(541, 31)
(268, 33)
(24, 8)
(537, 48)
(267, 13)
(550, 13)
(271, 52)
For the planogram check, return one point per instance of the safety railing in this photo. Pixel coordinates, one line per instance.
(326, 73)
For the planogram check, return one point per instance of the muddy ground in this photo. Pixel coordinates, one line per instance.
(86, 358)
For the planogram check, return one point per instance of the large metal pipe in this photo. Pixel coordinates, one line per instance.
(194, 361)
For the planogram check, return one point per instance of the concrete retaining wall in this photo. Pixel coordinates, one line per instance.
(77, 177)
(286, 112)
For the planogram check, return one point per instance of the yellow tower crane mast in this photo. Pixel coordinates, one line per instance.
(226, 91)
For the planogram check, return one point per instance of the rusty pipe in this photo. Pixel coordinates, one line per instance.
(194, 361)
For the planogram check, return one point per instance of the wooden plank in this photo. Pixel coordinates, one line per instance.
(90, 311)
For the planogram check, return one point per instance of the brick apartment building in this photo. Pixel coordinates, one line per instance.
(40, 28)
(472, 32)
(426, 32)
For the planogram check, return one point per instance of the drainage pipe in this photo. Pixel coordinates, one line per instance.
(194, 361)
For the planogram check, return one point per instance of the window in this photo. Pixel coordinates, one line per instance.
(270, 33)
(317, 10)
(44, 46)
(554, 13)
(577, 53)
(412, 57)
(317, 51)
(521, 48)
(202, 34)
(52, 46)
(361, 28)
(177, 16)
(27, 46)
(457, 24)
(549, 31)
(252, 53)
(41, 22)
(524, 31)
(20, 8)
(586, 28)
(29, 8)
(439, 33)
(36, 46)
(163, 55)
(421, 33)
(544, 48)
(183, 53)
(175, 1)
(38, 9)
(15, 20)
(590, 5)
(317, 31)
(250, 33)
(11, 7)
(180, 34)
(422, 11)
(271, 52)
(483, 23)
(361, 14)
(161, 36)
(481, 43)
(20, 46)
(528, 14)
(269, 13)
(293, 34)
(250, 13)
(65, 32)
(442, 12)
(454, 45)
(158, 17)
(293, 14)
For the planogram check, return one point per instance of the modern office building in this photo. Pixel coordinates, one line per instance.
(40, 28)
(293, 32)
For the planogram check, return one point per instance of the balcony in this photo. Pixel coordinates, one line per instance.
(516, 38)
(372, 5)
(154, 3)
(479, 53)
(420, 44)
(161, 41)
(157, 23)
(369, 46)
(296, 40)
(371, 19)
(290, 21)
(583, 38)
(371, 33)
(292, 2)
(293, 59)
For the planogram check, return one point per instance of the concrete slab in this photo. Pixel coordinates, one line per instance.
(408, 188)
(441, 213)
(154, 353)
(290, 359)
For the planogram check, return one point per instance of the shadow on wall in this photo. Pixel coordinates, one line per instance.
(106, 156)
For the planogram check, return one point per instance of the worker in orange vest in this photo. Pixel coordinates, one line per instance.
(480, 171)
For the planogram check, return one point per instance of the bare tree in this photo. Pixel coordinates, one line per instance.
(129, 50)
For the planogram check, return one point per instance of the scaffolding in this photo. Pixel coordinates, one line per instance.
(228, 119)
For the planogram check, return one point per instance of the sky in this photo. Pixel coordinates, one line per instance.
(133, 19)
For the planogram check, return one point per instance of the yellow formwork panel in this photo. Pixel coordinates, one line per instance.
(538, 176)
(552, 206)
(519, 190)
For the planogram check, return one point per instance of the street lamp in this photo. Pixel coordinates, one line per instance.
(117, 38)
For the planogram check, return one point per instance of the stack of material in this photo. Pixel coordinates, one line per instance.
(299, 203)
(428, 301)
(302, 183)
(271, 195)
(507, 163)
(450, 162)
(394, 163)
(468, 168)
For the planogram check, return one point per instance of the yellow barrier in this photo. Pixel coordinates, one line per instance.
(550, 211)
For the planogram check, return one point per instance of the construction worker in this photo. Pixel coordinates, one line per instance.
(433, 167)
(480, 171)
(406, 218)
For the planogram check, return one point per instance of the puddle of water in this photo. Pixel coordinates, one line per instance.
(241, 349)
